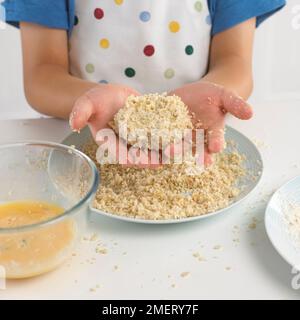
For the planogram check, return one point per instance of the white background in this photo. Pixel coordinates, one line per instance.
(276, 63)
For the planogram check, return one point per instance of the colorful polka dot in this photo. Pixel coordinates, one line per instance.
(129, 72)
(169, 73)
(208, 20)
(145, 16)
(189, 50)
(174, 26)
(118, 2)
(76, 21)
(90, 68)
(103, 81)
(198, 6)
(98, 13)
(104, 43)
(149, 50)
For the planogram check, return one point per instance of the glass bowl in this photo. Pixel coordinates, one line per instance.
(44, 174)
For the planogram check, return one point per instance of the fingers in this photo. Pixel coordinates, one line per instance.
(130, 91)
(112, 97)
(82, 111)
(215, 138)
(208, 160)
(235, 105)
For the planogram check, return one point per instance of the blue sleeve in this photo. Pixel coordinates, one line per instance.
(228, 13)
(49, 13)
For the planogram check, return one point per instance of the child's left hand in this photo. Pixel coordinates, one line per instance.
(209, 103)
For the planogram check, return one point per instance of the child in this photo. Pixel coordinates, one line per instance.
(84, 57)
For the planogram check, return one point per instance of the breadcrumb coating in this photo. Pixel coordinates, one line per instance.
(165, 117)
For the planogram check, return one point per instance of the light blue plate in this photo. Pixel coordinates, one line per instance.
(276, 224)
(243, 145)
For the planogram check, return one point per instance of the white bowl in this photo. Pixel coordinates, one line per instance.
(276, 225)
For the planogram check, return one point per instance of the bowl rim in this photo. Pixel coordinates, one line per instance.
(267, 222)
(91, 192)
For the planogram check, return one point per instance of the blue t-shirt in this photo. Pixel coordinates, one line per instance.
(61, 13)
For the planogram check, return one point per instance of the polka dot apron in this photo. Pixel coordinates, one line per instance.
(150, 45)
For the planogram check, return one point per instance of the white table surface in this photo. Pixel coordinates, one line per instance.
(246, 267)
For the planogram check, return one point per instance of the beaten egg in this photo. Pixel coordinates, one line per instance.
(40, 248)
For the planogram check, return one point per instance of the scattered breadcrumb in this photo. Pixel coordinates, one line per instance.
(198, 256)
(252, 226)
(94, 237)
(94, 289)
(184, 274)
(217, 247)
(291, 215)
(101, 250)
(90, 238)
(253, 223)
(72, 148)
(235, 230)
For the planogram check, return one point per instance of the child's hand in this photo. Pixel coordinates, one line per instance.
(98, 106)
(209, 103)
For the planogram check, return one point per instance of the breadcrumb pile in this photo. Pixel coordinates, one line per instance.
(148, 114)
(168, 192)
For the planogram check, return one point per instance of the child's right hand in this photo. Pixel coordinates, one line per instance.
(98, 106)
